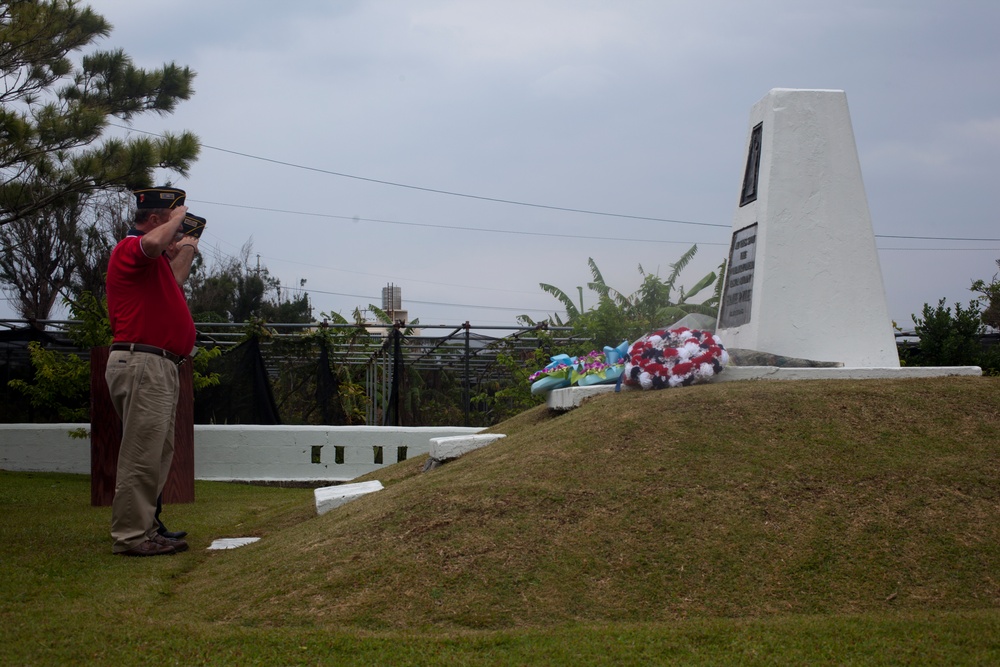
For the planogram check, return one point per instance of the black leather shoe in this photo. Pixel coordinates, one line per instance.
(177, 545)
(150, 548)
(171, 534)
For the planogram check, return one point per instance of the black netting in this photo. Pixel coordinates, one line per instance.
(328, 392)
(15, 364)
(320, 375)
(243, 395)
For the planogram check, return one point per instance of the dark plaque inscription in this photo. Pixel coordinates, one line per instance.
(750, 176)
(738, 292)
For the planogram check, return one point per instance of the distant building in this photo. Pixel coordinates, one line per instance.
(392, 305)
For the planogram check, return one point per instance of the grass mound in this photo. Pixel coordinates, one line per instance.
(738, 500)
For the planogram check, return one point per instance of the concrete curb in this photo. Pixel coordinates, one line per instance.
(329, 497)
(571, 397)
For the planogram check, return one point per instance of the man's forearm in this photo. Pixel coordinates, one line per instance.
(155, 241)
(181, 262)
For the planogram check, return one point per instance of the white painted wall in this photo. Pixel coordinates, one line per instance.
(43, 448)
(250, 452)
(817, 285)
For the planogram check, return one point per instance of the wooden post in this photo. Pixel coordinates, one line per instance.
(106, 437)
(105, 432)
(180, 481)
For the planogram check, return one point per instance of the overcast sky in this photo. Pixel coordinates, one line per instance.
(328, 125)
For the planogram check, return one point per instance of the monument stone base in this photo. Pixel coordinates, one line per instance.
(571, 397)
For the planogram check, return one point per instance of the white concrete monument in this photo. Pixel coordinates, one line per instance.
(803, 277)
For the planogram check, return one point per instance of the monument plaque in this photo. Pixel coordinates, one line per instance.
(737, 294)
(752, 174)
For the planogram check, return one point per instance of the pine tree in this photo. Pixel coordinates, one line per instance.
(56, 105)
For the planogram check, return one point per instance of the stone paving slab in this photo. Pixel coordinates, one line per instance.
(232, 542)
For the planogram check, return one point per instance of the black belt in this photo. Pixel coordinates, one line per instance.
(148, 349)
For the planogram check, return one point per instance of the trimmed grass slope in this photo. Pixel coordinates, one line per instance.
(738, 500)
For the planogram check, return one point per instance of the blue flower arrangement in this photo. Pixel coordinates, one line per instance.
(593, 368)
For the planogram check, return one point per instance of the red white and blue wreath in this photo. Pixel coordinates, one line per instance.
(674, 358)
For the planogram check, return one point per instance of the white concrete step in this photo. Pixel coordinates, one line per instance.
(329, 497)
(451, 447)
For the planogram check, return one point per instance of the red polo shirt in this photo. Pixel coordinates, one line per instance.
(145, 303)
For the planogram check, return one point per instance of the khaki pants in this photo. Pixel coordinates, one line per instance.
(144, 389)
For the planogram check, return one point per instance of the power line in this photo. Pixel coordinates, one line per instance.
(423, 303)
(219, 256)
(448, 227)
(565, 236)
(944, 249)
(450, 193)
(935, 238)
(497, 200)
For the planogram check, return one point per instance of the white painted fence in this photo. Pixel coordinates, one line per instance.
(249, 452)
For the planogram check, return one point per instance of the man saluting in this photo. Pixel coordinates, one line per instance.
(153, 334)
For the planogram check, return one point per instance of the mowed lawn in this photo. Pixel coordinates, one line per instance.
(830, 522)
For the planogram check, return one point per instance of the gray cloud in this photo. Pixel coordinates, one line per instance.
(630, 107)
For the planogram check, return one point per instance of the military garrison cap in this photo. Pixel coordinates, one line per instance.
(160, 197)
(193, 225)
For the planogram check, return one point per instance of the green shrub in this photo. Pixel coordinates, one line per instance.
(946, 339)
